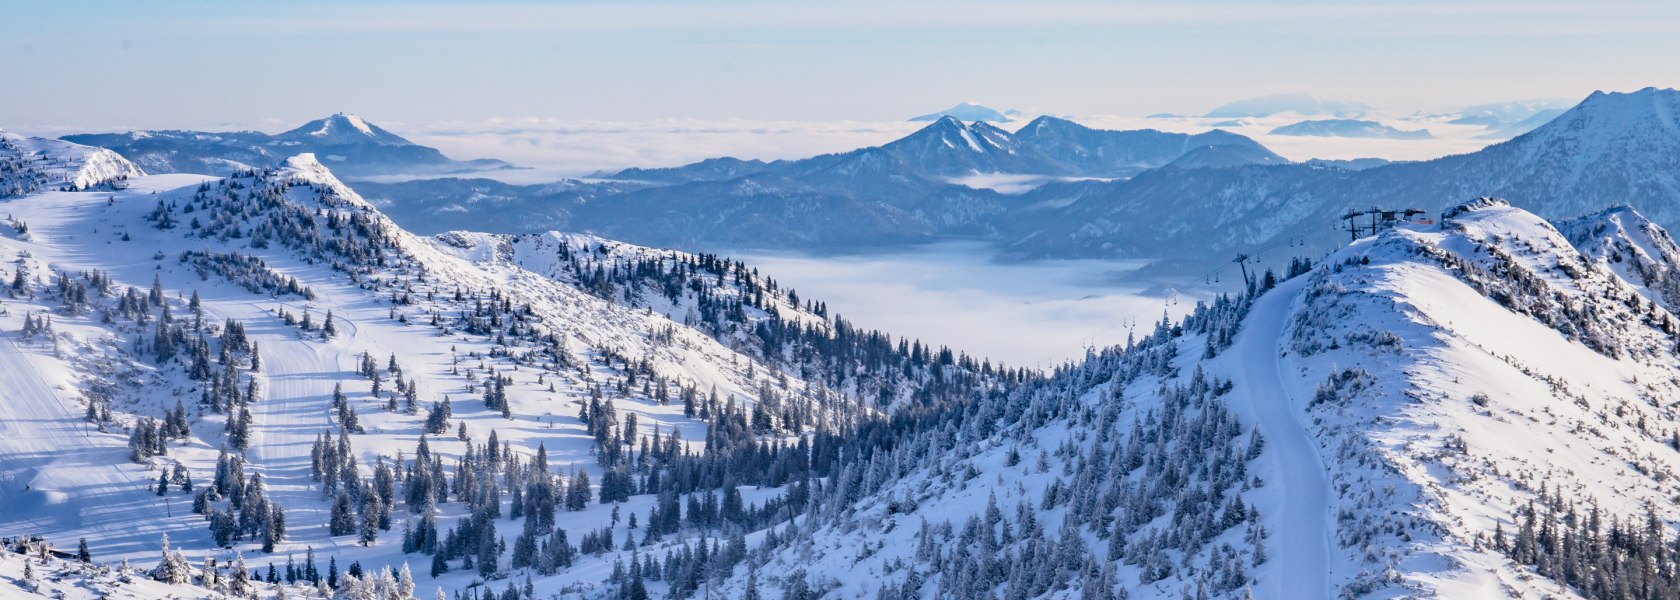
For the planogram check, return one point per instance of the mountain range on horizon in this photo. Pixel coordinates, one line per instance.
(1106, 194)
(1095, 193)
(354, 146)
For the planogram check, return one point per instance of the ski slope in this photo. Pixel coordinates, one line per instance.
(61, 474)
(1302, 523)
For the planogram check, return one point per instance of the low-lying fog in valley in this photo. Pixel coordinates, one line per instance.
(956, 294)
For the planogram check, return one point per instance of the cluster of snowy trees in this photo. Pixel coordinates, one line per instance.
(256, 206)
(220, 359)
(150, 437)
(249, 512)
(1161, 492)
(237, 580)
(362, 507)
(1597, 555)
(489, 474)
(20, 173)
(247, 271)
(36, 326)
(348, 420)
(408, 389)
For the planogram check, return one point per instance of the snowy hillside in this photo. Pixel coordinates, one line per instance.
(1476, 391)
(1464, 411)
(29, 165)
(266, 365)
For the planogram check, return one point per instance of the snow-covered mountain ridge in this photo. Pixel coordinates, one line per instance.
(1422, 415)
(1462, 376)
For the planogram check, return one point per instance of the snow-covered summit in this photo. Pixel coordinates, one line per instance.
(307, 169)
(344, 129)
(1605, 123)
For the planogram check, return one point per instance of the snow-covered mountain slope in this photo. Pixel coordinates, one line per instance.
(354, 146)
(1089, 152)
(743, 310)
(1225, 156)
(950, 146)
(1639, 251)
(266, 364)
(30, 164)
(432, 206)
(1472, 410)
(1462, 376)
(25, 573)
(711, 169)
(255, 268)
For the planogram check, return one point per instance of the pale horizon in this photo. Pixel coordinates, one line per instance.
(413, 67)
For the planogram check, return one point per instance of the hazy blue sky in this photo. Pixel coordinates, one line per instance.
(94, 65)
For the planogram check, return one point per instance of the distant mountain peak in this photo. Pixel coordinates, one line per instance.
(1349, 128)
(951, 133)
(1302, 104)
(1643, 108)
(345, 129)
(1043, 121)
(967, 111)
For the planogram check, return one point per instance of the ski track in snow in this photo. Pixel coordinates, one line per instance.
(1302, 549)
(297, 391)
(58, 473)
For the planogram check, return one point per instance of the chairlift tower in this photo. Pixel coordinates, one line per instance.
(1380, 218)
(1242, 261)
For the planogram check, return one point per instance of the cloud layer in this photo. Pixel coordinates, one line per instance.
(576, 148)
(1025, 314)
